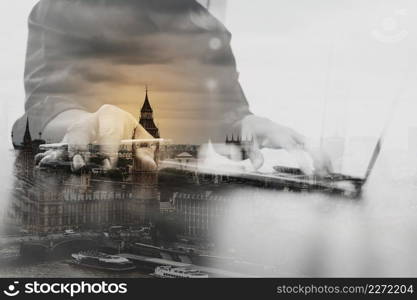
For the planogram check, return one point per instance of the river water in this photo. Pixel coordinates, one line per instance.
(299, 234)
(61, 269)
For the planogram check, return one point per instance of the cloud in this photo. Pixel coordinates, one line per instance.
(100, 52)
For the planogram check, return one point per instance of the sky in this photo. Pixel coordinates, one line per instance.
(346, 61)
(337, 65)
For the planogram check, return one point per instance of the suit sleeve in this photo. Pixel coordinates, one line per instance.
(66, 37)
(46, 90)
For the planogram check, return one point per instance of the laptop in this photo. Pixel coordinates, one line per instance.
(293, 178)
(332, 182)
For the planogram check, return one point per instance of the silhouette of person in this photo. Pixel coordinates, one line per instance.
(87, 59)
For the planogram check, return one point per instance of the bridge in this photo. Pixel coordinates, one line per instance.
(59, 244)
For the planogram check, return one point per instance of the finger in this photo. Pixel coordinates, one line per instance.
(255, 155)
(40, 156)
(106, 164)
(141, 133)
(109, 136)
(45, 160)
(144, 152)
(109, 147)
(78, 162)
(299, 139)
(280, 141)
(144, 160)
(113, 125)
(111, 152)
(52, 156)
(326, 166)
(322, 163)
(247, 131)
(304, 161)
(80, 135)
(257, 159)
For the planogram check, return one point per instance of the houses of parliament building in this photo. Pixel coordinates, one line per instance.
(45, 200)
(52, 200)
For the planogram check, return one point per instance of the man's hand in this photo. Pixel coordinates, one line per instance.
(268, 134)
(106, 127)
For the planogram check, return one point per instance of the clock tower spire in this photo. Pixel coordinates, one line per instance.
(146, 117)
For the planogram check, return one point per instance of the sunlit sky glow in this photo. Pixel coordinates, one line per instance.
(293, 57)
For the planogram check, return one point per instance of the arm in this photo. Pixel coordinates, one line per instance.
(58, 102)
(46, 92)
